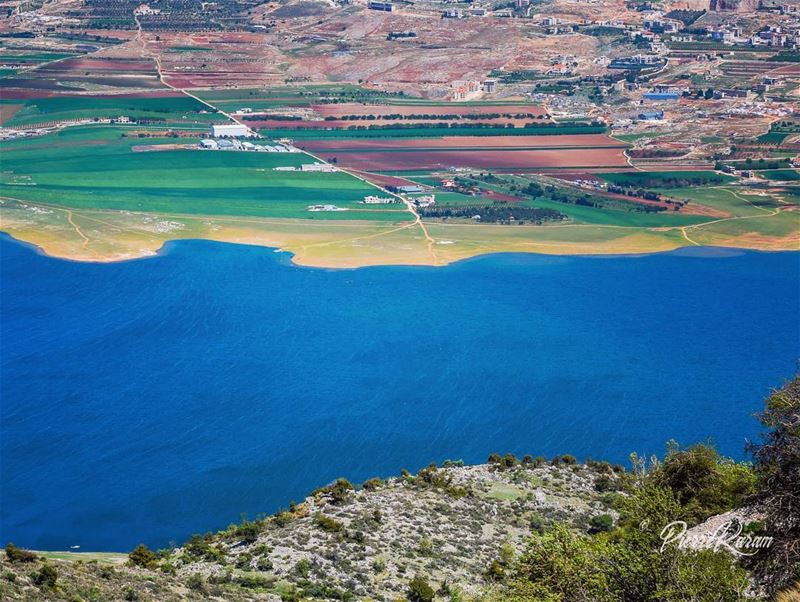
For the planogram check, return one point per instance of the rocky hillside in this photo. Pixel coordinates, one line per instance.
(454, 527)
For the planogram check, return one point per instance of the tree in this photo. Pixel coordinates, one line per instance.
(142, 556)
(777, 468)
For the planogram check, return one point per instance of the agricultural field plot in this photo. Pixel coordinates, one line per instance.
(344, 115)
(510, 160)
(465, 142)
(95, 168)
(664, 179)
(164, 108)
(517, 153)
(433, 148)
(203, 60)
(30, 59)
(432, 130)
(785, 175)
(88, 73)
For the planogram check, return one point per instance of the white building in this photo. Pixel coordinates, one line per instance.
(317, 167)
(425, 201)
(378, 200)
(230, 130)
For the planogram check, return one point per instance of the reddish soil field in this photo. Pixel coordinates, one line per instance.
(383, 180)
(483, 159)
(499, 196)
(7, 112)
(787, 70)
(24, 93)
(464, 142)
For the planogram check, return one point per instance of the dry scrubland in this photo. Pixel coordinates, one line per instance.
(448, 523)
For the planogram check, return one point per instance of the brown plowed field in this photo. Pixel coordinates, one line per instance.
(7, 112)
(464, 142)
(482, 159)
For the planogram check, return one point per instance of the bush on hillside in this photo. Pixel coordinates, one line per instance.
(15, 554)
(419, 590)
(142, 556)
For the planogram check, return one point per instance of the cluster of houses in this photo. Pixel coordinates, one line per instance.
(466, 89)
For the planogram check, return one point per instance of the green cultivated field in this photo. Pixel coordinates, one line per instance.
(653, 179)
(95, 168)
(37, 57)
(62, 108)
(781, 174)
(428, 132)
(189, 49)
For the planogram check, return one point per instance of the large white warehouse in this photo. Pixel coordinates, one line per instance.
(228, 130)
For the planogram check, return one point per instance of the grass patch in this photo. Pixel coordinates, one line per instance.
(504, 491)
(63, 108)
(781, 174)
(97, 169)
(189, 49)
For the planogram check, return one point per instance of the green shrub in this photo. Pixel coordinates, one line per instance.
(45, 577)
(425, 547)
(419, 590)
(302, 568)
(603, 522)
(251, 581)
(704, 482)
(339, 491)
(282, 518)
(143, 557)
(326, 523)
(15, 554)
(196, 582)
(247, 531)
(264, 564)
(496, 571)
(372, 484)
(605, 482)
(509, 461)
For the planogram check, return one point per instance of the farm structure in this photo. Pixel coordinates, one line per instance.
(231, 131)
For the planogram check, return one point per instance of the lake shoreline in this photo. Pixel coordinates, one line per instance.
(301, 262)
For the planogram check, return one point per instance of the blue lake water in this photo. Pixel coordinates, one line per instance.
(147, 400)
